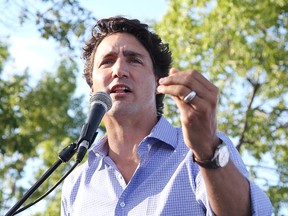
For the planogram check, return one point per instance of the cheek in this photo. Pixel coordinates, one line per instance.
(150, 86)
(100, 81)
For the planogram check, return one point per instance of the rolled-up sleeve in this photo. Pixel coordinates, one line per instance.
(260, 203)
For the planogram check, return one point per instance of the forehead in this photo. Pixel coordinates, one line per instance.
(120, 42)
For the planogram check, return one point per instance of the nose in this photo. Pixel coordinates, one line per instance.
(119, 69)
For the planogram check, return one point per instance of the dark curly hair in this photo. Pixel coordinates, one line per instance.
(159, 51)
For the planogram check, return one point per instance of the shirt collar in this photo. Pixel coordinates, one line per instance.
(101, 147)
(165, 132)
(162, 131)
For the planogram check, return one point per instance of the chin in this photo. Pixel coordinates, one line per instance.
(120, 109)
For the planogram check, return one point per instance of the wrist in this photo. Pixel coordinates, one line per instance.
(207, 153)
(219, 159)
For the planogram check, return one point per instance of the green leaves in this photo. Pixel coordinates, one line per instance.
(38, 122)
(241, 46)
(3, 55)
(64, 21)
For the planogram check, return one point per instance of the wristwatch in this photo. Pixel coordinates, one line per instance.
(220, 158)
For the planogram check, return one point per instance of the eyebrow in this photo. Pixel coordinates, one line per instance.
(130, 53)
(126, 53)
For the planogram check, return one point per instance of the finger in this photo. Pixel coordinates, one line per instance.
(187, 78)
(181, 91)
(173, 71)
(197, 110)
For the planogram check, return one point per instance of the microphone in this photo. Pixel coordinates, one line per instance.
(100, 103)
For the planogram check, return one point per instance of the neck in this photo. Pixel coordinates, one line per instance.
(127, 133)
(124, 137)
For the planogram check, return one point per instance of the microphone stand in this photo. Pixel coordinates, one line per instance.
(100, 103)
(65, 155)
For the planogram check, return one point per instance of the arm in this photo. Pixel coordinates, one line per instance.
(227, 188)
(260, 203)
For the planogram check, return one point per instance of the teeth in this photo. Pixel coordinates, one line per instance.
(121, 88)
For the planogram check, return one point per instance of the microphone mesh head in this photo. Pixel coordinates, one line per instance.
(102, 98)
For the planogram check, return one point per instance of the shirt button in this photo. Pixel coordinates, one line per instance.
(122, 204)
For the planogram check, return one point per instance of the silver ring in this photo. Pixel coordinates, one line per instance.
(190, 97)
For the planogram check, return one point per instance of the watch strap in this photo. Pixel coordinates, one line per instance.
(209, 164)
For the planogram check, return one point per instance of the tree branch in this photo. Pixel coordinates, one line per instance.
(256, 86)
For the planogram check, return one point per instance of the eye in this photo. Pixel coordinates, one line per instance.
(134, 60)
(106, 62)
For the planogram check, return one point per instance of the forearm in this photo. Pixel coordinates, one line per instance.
(228, 190)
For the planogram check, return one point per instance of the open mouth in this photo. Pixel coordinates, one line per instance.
(120, 89)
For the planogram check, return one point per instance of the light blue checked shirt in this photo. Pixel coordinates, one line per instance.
(166, 182)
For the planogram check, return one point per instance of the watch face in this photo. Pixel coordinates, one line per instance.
(223, 156)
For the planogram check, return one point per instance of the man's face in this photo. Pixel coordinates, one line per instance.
(123, 68)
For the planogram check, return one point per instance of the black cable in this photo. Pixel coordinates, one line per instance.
(49, 191)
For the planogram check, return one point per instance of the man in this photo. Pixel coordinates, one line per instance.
(143, 165)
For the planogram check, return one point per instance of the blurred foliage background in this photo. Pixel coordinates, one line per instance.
(241, 46)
